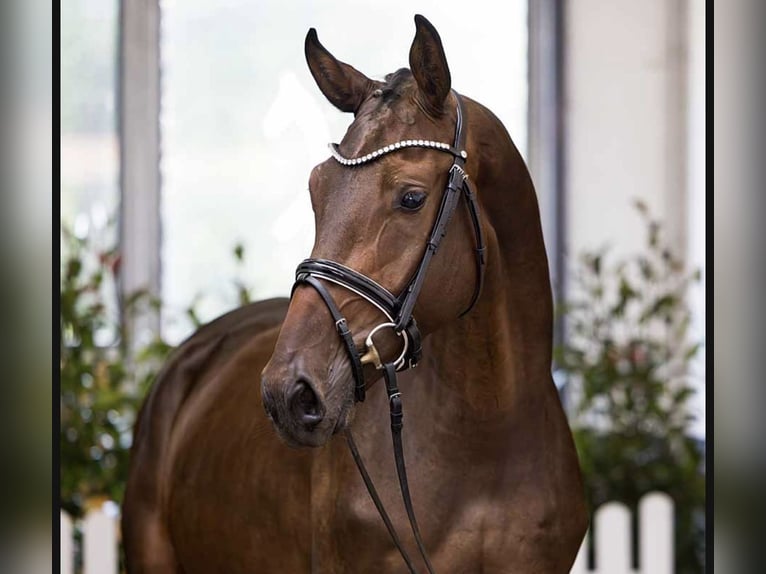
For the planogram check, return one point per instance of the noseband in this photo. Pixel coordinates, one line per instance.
(397, 309)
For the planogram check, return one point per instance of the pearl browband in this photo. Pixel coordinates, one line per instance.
(393, 147)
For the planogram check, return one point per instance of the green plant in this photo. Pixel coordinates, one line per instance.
(103, 376)
(627, 357)
(100, 389)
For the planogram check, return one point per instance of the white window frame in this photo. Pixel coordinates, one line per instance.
(139, 132)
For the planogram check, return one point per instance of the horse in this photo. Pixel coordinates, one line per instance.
(240, 461)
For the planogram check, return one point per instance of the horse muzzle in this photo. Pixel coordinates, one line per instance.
(300, 412)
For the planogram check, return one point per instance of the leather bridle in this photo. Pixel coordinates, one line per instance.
(397, 309)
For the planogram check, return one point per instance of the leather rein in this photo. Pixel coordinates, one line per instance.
(397, 309)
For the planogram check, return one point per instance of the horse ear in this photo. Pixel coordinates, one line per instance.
(344, 86)
(429, 65)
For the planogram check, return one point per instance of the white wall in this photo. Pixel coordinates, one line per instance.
(624, 119)
(696, 186)
(634, 116)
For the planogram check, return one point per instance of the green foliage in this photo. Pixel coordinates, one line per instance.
(100, 387)
(627, 357)
(104, 376)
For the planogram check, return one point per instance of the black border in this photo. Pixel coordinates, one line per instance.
(708, 287)
(55, 319)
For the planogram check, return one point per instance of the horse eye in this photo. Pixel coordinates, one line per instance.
(413, 200)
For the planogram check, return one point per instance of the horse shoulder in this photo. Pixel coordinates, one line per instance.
(189, 369)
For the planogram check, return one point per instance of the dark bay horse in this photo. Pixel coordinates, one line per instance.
(492, 467)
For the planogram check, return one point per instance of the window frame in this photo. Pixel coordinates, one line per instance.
(138, 103)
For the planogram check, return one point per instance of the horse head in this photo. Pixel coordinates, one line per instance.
(375, 219)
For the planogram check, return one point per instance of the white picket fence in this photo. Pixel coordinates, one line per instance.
(100, 541)
(612, 544)
(100, 535)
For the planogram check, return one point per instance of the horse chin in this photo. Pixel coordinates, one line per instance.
(301, 438)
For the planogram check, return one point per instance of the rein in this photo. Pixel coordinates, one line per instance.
(398, 310)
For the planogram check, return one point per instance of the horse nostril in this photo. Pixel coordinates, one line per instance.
(305, 405)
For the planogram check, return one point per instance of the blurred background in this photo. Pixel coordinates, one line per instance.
(188, 130)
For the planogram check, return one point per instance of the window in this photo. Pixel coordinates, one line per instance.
(89, 149)
(90, 196)
(243, 123)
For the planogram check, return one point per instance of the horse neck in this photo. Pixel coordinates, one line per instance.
(496, 360)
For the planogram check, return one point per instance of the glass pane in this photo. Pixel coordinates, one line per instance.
(89, 141)
(89, 148)
(243, 124)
